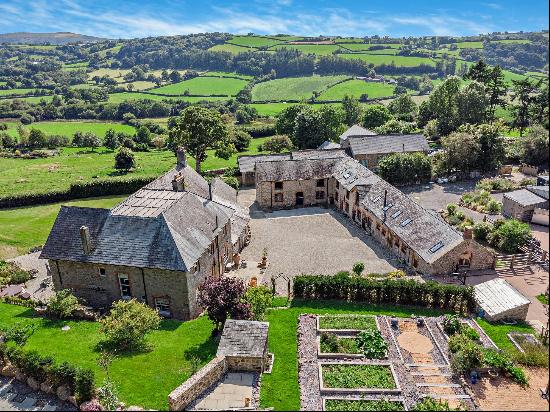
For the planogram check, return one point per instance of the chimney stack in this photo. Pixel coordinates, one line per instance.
(209, 190)
(178, 183)
(85, 238)
(468, 233)
(180, 154)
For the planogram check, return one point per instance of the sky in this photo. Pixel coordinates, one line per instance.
(142, 18)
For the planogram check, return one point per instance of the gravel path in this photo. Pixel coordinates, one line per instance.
(308, 375)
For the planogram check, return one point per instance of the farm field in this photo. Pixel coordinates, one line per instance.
(226, 74)
(377, 59)
(293, 88)
(15, 92)
(68, 128)
(270, 109)
(114, 73)
(253, 41)
(28, 227)
(141, 85)
(319, 49)
(356, 88)
(366, 47)
(231, 48)
(29, 99)
(469, 45)
(204, 86)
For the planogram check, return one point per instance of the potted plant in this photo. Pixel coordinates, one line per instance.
(263, 264)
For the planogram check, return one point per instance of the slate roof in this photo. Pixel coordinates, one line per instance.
(524, 197)
(155, 227)
(356, 130)
(248, 163)
(294, 169)
(383, 144)
(541, 191)
(244, 338)
(326, 145)
(497, 297)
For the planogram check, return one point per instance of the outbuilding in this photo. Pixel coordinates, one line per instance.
(499, 300)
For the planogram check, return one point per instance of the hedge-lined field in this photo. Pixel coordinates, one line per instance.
(68, 128)
(26, 227)
(319, 49)
(15, 92)
(293, 88)
(356, 88)
(253, 41)
(203, 86)
(378, 59)
(231, 48)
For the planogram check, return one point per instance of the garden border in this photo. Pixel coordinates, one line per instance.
(336, 398)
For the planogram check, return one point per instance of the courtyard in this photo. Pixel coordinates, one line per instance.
(310, 240)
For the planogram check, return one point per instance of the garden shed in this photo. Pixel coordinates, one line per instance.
(500, 300)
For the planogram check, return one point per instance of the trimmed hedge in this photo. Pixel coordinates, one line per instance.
(260, 131)
(404, 292)
(94, 188)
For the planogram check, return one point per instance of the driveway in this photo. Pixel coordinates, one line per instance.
(310, 240)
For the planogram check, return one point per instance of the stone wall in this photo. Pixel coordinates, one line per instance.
(191, 389)
(245, 363)
(267, 199)
(511, 208)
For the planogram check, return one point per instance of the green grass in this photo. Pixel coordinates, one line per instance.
(362, 405)
(357, 376)
(231, 48)
(116, 74)
(347, 322)
(318, 49)
(204, 86)
(378, 59)
(512, 41)
(280, 389)
(141, 85)
(542, 299)
(226, 74)
(356, 88)
(68, 128)
(253, 41)
(15, 92)
(143, 379)
(293, 88)
(349, 40)
(366, 46)
(498, 333)
(345, 345)
(27, 227)
(125, 96)
(30, 99)
(469, 45)
(270, 109)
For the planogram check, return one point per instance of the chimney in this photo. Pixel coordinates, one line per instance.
(468, 233)
(385, 198)
(85, 238)
(210, 192)
(178, 183)
(180, 154)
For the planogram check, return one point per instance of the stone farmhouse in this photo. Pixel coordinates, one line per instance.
(157, 246)
(529, 204)
(418, 237)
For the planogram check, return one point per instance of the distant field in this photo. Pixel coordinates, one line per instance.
(122, 97)
(114, 73)
(293, 88)
(253, 41)
(67, 128)
(84, 86)
(231, 48)
(28, 227)
(377, 59)
(204, 86)
(356, 88)
(350, 40)
(388, 48)
(141, 85)
(512, 41)
(270, 109)
(15, 92)
(319, 49)
(226, 74)
(34, 46)
(469, 45)
(30, 99)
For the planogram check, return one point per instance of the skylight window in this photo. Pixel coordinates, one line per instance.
(406, 222)
(385, 208)
(396, 214)
(376, 199)
(347, 175)
(436, 247)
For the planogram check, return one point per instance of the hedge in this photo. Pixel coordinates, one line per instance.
(404, 292)
(260, 131)
(94, 188)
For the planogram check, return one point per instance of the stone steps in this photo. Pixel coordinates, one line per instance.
(438, 385)
(429, 374)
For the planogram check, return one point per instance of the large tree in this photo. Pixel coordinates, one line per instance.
(472, 103)
(286, 119)
(352, 110)
(523, 97)
(496, 92)
(313, 127)
(444, 106)
(199, 129)
(375, 116)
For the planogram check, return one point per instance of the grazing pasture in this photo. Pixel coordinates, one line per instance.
(293, 88)
(356, 88)
(378, 59)
(318, 49)
(253, 41)
(204, 86)
(68, 128)
(29, 99)
(15, 92)
(231, 48)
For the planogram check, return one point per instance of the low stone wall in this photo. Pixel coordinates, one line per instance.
(245, 364)
(187, 392)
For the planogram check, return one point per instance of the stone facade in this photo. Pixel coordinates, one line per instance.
(511, 208)
(289, 194)
(98, 285)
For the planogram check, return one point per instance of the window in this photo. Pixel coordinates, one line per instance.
(347, 194)
(436, 247)
(212, 248)
(365, 162)
(406, 222)
(388, 206)
(278, 185)
(396, 214)
(278, 197)
(320, 182)
(376, 199)
(102, 272)
(163, 306)
(319, 195)
(337, 184)
(124, 285)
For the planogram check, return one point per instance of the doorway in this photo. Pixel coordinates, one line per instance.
(299, 198)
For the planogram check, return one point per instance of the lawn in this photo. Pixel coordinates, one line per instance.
(543, 299)
(378, 59)
(68, 128)
(27, 227)
(253, 41)
(144, 378)
(204, 86)
(318, 49)
(293, 88)
(498, 332)
(356, 88)
(469, 45)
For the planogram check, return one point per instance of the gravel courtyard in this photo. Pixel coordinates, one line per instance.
(307, 241)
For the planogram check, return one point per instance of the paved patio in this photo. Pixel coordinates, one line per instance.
(16, 396)
(233, 391)
(310, 240)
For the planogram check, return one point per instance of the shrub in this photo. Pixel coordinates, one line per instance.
(223, 298)
(63, 374)
(330, 342)
(111, 140)
(231, 181)
(260, 131)
(108, 395)
(19, 333)
(358, 268)
(470, 333)
(494, 207)
(259, 298)
(11, 273)
(277, 144)
(372, 344)
(510, 235)
(84, 385)
(470, 356)
(451, 209)
(457, 342)
(405, 168)
(496, 359)
(430, 404)
(375, 116)
(392, 291)
(518, 375)
(482, 230)
(241, 140)
(55, 141)
(534, 355)
(128, 323)
(63, 304)
(124, 159)
(451, 324)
